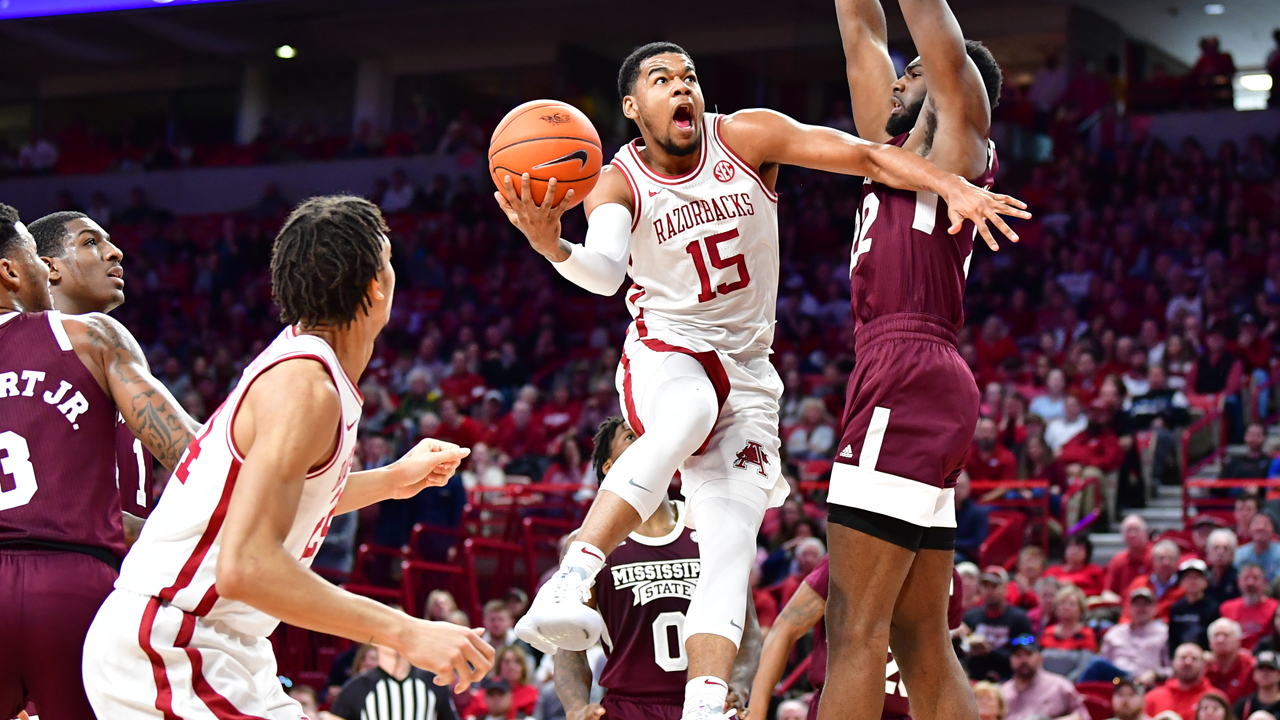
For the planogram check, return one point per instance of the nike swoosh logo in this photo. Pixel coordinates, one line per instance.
(736, 625)
(588, 552)
(715, 682)
(654, 193)
(352, 425)
(579, 155)
(632, 482)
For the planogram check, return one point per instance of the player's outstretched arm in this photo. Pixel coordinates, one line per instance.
(747, 661)
(148, 408)
(802, 612)
(955, 88)
(867, 65)
(429, 464)
(766, 138)
(600, 264)
(287, 424)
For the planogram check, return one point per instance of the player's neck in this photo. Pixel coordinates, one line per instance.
(353, 346)
(664, 163)
(68, 305)
(660, 523)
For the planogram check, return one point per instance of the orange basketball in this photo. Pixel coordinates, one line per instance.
(547, 139)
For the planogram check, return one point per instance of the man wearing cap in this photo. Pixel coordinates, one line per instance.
(1163, 578)
(1266, 675)
(1132, 562)
(1139, 647)
(1230, 669)
(1191, 614)
(1127, 700)
(1264, 550)
(1253, 609)
(1254, 463)
(497, 698)
(1183, 691)
(1035, 691)
(1201, 528)
(994, 625)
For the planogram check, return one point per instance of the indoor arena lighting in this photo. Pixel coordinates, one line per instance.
(1214, 9)
(286, 52)
(1260, 82)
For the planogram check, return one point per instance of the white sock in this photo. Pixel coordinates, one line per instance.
(583, 558)
(705, 690)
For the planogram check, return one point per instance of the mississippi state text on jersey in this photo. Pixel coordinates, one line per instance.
(57, 443)
(177, 553)
(643, 594)
(704, 250)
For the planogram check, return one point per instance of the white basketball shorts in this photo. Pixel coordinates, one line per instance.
(145, 659)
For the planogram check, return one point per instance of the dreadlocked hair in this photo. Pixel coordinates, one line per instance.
(50, 233)
(604, 443)
(326, 254)
(9, 235)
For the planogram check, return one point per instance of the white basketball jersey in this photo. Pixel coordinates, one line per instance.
(177, 553)
(704, 251)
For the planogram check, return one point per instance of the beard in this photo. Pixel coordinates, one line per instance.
(674, 150)
(899, 124)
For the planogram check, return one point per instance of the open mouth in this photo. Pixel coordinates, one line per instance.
(116, 273)
(896, 103)
(683, 117)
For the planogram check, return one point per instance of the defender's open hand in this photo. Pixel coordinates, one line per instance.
(968, 202)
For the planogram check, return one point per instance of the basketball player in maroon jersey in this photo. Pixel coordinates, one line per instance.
(643, 595)
(86, 276)
(804, 612)
(62, 381)
(912, 402)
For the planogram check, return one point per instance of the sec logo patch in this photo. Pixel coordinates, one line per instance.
(723, 171)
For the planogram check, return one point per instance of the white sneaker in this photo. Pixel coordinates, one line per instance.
(559, 616)
(706, 712)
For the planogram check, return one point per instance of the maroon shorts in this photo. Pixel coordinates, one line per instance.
(49, 599)
(626, 707)
(910, 411)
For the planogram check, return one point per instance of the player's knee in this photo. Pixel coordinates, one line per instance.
(690, 407)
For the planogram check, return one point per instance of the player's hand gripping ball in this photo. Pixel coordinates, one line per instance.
(547, 139)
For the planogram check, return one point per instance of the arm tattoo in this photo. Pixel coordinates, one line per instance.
(804, 610)
(146, 405)
(573, 679)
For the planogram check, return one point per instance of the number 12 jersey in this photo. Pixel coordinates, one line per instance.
(704, 250)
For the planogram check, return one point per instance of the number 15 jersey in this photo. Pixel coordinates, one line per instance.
(704, 250)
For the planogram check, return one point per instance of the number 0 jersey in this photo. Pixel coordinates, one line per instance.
(704, 250)
(57, 443)
(177, 553)
(643, 594)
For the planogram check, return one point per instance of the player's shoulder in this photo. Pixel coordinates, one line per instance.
(614, 186)
(298, 385)
(98, 333)
(745, 129)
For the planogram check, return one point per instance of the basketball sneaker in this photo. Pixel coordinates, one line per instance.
(559, 616)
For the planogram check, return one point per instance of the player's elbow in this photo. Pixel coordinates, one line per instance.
(234, 575)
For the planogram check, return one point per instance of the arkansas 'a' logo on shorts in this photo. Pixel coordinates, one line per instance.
(753, 454)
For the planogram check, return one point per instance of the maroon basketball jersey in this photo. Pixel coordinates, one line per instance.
(57, 442)
(643, 594)
(895, 696)
(133, 471)
(903, 260)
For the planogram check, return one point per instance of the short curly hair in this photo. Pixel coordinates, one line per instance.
(630, 70)
(50, 232)
(324, 258)
(604, 444)
(988, 68)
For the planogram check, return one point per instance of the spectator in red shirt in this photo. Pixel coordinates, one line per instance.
(766, 604)
(1162, 580)
(560, 412)
(1132, 562)
(1183, 691)
(988, 460)
(1231, 667)
(1253, 609)
(994, 345)
(1076, 568)
(518, 436)
(456, 427)
(1069, 633)
(1087, 380)
(1095, 446)
(463, 384)
(1212, 61)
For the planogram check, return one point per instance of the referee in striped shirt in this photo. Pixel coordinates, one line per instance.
(392, 691)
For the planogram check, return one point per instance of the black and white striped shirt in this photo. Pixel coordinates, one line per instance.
(376, 695)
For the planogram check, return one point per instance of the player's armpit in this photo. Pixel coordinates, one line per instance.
(147, 406)
(867, 65)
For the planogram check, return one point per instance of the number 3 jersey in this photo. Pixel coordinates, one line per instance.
(57, 443)
(704, 250)
(643, 594)
(176, 555)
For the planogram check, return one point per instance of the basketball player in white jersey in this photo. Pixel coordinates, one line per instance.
(689, 211)
(224, 557)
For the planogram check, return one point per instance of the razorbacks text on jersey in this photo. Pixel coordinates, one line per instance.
(177, 553)
(903, 260)
(704, 250)
(643, 594)
(57, 442)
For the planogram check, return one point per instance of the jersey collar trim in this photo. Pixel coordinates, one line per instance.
(634, 148)
(670, 537)
(6, 317)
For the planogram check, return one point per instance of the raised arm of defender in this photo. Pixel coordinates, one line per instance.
(117, 362)
(867, 65)
(766, 139)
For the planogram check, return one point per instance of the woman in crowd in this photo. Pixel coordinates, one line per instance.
(1022, 589)
(1069, 632)
(438, 606)
(510, 665)
(1077, 567)
(1214, 707)
(813, 435)
(991, 704)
